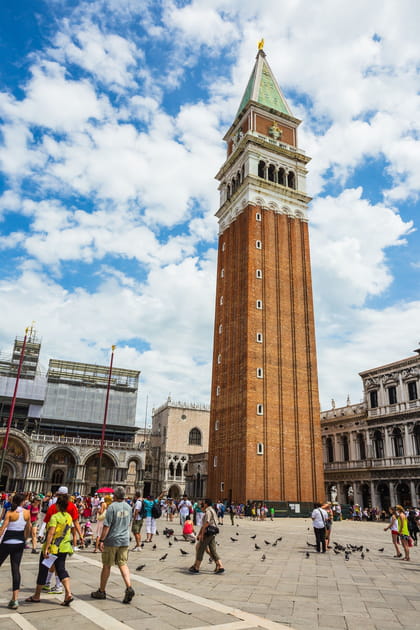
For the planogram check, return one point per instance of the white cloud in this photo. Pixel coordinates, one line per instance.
(142, 169)
(349, 239)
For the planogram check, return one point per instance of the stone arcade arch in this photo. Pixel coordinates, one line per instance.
(60, 469)
(16, 462)
(174, 492)
(107, 472)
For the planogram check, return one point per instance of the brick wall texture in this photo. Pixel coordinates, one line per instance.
(288, 430)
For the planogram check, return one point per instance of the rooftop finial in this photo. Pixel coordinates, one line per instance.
(261, 44)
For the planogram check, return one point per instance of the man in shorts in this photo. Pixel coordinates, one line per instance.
(114, 545)
(137, 521)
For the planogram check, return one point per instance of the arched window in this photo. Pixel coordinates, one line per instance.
(361, 445)
(291, 182)
(171, 470)
(378, 444)
(195, 437)
(398, 442)
(261, 169)
(228, 191)
(416, 436)
(330, 450)
(282, 176)
(271, 173)
(178, 472)
(346, 454)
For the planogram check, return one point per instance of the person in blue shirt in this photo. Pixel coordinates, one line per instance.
(150, 520)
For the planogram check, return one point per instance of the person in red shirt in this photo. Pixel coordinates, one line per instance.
(188, 530)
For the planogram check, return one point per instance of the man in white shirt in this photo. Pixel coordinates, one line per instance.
(319, 519)
(184, 508)
(137, 521)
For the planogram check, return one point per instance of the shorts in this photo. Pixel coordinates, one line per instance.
(136, 526)
(114, 555)
(150, 525)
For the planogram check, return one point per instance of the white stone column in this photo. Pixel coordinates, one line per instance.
(392, 495)
(408, 442)
(353, 455)
(389, 451)
(413, 493)
(373, 494)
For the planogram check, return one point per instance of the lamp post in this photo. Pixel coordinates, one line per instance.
(101, 450)
(12, 407)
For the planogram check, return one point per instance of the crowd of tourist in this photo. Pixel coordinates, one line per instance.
(62, 524)
(56, 526)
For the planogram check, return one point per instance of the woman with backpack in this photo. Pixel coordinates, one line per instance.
(57, 543)
(151, 509)
(13, 533)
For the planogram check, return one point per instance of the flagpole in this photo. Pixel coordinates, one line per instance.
(12, 407)
(101, 450)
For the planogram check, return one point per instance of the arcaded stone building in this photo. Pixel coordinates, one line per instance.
(372, 449)
(180, 431)
(57, 424)
(265, 439)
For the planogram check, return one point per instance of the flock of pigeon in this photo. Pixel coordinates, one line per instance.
(338, 549)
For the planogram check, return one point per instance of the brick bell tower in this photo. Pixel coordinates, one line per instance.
(265, 439)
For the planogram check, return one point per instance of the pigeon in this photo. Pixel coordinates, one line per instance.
(336, 552)
(237, 533)
(367, 550)
(140, 567)
(154, 547)
(176, 539)
(274, 544)
(256, 547)
(170, 544)
(267, 543)
(253, 537)
(381, 549)
(263, 557)
(362, 555)
(163, 557)
(184, 553)
(309, 529)
(307, 554)
(279, 539)
(234, 539)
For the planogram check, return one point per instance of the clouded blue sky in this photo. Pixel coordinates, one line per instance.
(112, 117)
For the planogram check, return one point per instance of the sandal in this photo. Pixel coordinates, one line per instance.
(68, 601)
(31, 600)
(220, 570)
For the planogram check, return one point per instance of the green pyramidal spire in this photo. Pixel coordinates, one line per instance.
(263, 88)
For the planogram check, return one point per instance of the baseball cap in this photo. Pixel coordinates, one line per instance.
(62, 490)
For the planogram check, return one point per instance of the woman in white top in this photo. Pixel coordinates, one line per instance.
(393, 526)
(13, 533)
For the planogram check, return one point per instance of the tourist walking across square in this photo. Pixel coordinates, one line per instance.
(114, 545)
(319, 519)
(207, 539)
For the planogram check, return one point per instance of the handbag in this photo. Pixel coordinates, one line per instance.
(212, 530)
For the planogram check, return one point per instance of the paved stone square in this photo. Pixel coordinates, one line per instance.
(287, 589)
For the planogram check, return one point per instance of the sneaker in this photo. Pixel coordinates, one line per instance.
(98, 594)
(13, 604)
(76, 548)
(136, 549)
(129, 594)
(46, 588)
(56, 590)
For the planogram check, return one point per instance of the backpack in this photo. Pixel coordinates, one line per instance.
(156, 510)
(142, 512)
